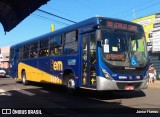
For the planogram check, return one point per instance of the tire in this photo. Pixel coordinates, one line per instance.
(24, 81)
(70, 83)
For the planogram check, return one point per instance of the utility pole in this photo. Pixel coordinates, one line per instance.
(134, 14)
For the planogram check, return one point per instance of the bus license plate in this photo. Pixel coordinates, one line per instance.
(129, 88)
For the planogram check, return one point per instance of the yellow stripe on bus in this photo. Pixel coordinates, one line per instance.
(37, 75)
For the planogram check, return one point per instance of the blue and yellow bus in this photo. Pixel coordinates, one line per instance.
(98, 54)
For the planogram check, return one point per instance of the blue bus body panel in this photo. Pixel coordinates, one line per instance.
(72, 62)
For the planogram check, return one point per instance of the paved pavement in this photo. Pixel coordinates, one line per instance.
(155, 85)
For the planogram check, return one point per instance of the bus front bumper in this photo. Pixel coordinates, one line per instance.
(107, 84)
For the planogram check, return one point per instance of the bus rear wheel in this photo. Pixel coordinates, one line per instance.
(24, 81)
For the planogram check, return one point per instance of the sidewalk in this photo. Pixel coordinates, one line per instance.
(155, 85)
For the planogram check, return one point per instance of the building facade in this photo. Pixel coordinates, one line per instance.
(151, 25)
(4, 57)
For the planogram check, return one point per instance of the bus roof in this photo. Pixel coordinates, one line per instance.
(90, 21)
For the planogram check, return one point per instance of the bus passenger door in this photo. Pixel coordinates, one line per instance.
(89, 60)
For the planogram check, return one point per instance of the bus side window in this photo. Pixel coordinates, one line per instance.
(26, 51)
(33, 54)
(21, 52)
(44, 48)
(34, 50)
(56, 46)
(71, 43)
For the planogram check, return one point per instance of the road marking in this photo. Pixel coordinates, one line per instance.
(3, 92)
(44, 91)
(25, 92)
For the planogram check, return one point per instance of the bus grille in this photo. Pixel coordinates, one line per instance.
(123, 85)
(119, 71)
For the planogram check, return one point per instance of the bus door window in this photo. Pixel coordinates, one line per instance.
(84, 58)
(84, 46)
(56, 46)
(92, 48)
(89, 59)
(92, 75)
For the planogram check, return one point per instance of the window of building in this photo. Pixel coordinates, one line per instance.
(71, 43)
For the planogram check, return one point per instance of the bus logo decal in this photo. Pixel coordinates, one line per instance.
(72, 62)
(57, 65)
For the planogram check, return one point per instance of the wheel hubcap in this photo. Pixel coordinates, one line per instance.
(71, 83)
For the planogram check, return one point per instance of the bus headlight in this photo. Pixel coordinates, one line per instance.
(106, 74)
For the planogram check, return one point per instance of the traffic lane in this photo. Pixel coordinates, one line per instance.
(58, 101)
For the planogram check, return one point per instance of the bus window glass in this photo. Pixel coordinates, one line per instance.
(85, 48)
(71, 41)
(123, 47)
(21, 52)
(11, 53)
(26, 51)
(44, 46)
(56, 46)
(34, 50)
(92, 48)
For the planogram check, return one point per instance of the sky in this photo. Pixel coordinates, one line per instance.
(39, 23)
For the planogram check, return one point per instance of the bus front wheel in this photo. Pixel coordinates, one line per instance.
(24, 81)
(70, 83)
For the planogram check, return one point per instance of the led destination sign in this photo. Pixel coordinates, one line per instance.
(119, 25)
(116, 57)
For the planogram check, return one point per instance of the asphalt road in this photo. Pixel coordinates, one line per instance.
(55, 100)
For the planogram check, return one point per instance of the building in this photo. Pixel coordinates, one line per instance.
(151, 25)
(4, 57)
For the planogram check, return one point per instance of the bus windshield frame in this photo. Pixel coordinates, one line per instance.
(123, 48)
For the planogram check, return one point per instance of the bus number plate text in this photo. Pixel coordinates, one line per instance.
(129, 88)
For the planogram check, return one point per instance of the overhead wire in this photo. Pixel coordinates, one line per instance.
(61, 12)
(43, 11)
(46, 18)
(130, 9)
(144, 8)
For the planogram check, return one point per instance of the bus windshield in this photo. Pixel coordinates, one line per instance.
(123, 48)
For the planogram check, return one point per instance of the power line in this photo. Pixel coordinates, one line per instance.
(61, 12)
(46, 18)
(56, 15)
(144, 8)
(129, 9)
(138, 8)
